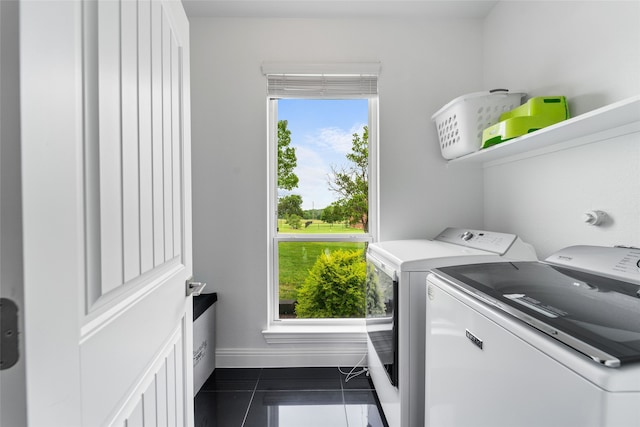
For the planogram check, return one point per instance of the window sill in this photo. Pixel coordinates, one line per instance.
(316, 332)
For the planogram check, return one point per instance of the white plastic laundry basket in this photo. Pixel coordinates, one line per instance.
(460, 123)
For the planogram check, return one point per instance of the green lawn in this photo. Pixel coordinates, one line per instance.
(317, 227)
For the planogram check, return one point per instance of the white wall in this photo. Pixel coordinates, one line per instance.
(424, 65)
(588, 51)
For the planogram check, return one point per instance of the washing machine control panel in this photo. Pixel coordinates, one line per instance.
(622, 263)
(478, 239)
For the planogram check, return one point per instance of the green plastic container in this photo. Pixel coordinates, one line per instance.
(537, 113)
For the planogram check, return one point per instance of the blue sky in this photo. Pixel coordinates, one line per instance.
(321, 132)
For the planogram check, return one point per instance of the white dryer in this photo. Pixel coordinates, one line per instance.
(396, 274)
(533, 344)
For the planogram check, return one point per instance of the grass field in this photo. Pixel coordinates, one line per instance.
(318, 227)
(297, 258)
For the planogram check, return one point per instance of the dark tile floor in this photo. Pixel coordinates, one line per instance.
(287, 397)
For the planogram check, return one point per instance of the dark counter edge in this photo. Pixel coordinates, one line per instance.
(202, 302)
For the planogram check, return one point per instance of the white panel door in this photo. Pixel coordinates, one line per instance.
(106, 212)
(12, 370)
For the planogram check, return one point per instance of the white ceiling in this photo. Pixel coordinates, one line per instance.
(339, 8)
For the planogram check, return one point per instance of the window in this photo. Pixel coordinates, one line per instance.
(323, 187)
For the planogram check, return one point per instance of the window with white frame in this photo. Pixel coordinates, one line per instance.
(323, 191)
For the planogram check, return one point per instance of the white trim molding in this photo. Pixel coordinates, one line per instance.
(316, 335)
(347, 354)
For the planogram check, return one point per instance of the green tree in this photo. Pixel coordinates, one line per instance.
(351, 183)
(312, 214)
(287, 160)
(294, 221)
(290, 205)
(334, 287)
(332, 214)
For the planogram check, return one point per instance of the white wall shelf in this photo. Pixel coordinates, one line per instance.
(617, 119)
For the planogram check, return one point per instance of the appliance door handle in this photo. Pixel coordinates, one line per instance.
(387, 270)
(194, 288)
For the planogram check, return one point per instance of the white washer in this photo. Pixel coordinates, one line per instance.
(395, 337)
(533, 344)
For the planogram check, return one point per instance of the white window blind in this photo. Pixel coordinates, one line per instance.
(333, 81)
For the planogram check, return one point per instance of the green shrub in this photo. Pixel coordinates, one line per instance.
(335, 286)
(294, 221)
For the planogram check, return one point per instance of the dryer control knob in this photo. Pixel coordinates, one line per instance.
(467, 235)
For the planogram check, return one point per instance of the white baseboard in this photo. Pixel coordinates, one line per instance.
(347, 355)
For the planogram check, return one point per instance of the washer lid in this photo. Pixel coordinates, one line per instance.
(421, 255)
(595, 315)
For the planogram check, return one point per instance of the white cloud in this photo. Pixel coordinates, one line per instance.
(335, 139)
